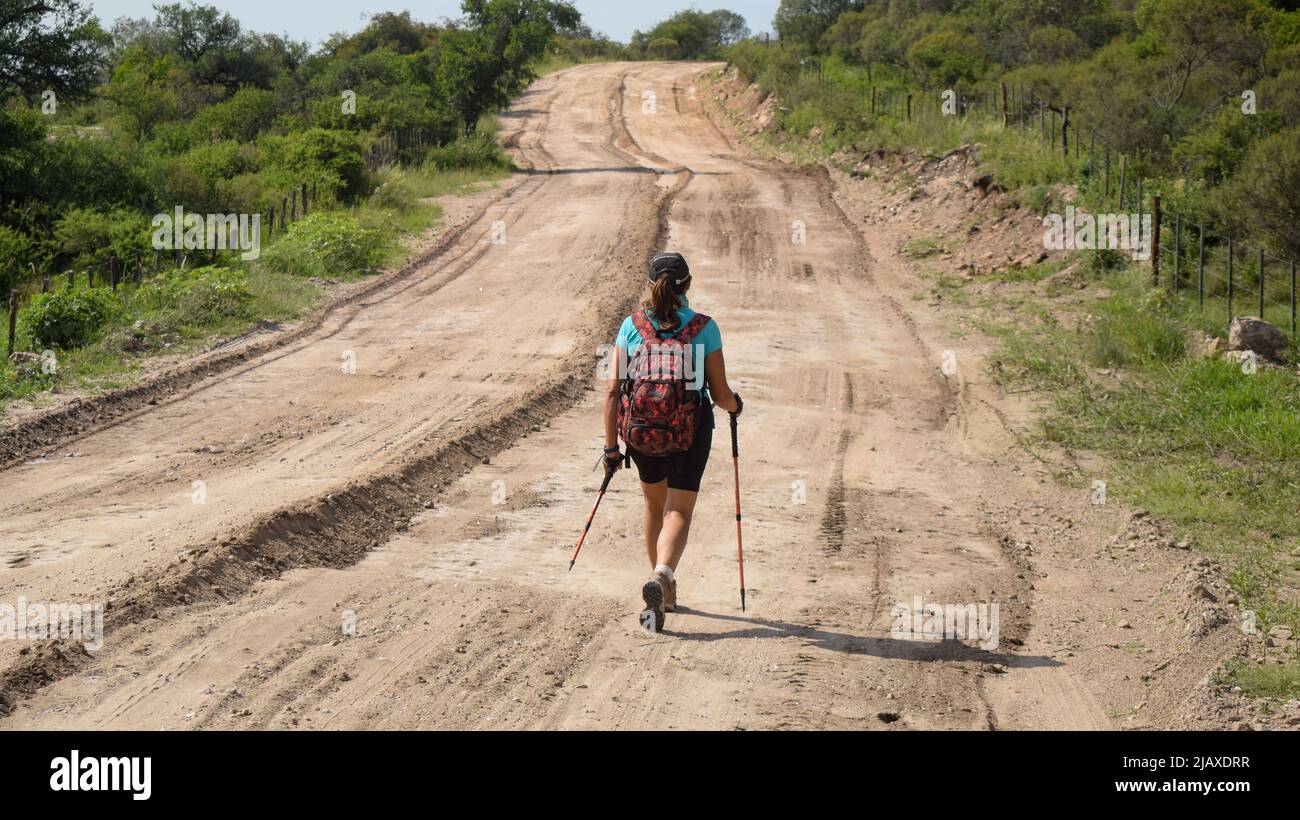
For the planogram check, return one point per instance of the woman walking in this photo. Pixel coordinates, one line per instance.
(661, 405)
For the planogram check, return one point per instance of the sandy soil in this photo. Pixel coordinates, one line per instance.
(388, 548)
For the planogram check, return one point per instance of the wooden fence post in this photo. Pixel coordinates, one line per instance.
(13, 320)
(1262, 282)
(1123, 178)
(1065, 132)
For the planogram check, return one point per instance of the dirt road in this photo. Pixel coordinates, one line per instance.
(291, 544)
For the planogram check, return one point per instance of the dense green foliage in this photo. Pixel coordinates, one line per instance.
(68, 318)
(689, 35)
(1169, 81)
(187, 109)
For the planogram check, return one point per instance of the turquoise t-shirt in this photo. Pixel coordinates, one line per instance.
(629, 338)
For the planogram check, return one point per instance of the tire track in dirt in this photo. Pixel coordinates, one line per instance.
(338, 529)
(80, 417)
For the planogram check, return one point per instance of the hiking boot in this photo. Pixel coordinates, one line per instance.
(670, 592)
(652, 592)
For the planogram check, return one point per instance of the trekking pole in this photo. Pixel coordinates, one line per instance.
(740, 550)
(603, 486)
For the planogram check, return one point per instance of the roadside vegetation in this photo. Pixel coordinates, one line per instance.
(102, 129)
(1197, 439)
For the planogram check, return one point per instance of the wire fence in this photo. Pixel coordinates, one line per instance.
(1190, 258)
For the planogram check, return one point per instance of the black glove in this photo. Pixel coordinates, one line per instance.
(612, 460)
(740, 405)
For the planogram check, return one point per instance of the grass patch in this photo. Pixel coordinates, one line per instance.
(922, 248)
(1279, 682)
(1198, 442)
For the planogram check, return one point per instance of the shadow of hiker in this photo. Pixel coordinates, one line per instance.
(946, 650)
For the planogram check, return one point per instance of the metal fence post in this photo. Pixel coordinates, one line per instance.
(1293, 305)
(1178, 245)
(1108, 173)
(1200, 266)
(1155, 237)
(1231, 283)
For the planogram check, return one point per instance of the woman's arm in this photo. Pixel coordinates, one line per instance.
(612, 391)
(715, 373)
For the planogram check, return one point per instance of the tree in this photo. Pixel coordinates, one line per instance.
(142, 93)
(805, 21)
(197, 31)
(946, 57)
(397, 33)
(488, 61)
(1260, 199)
(696, 35)
(731, 27)
(51, 45)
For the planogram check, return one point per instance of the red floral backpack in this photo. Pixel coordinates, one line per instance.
(656, 413)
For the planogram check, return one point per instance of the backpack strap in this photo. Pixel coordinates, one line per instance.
(693, 328)
(645, 327)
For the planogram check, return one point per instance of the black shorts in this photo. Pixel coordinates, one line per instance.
(682, 470)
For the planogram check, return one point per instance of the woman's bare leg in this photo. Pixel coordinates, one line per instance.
(675, 526)
(656, 496)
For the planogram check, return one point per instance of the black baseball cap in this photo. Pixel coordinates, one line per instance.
(673, 264)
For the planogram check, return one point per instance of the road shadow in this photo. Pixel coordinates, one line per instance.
(893, 648)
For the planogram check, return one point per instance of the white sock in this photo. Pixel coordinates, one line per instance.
(666, 571)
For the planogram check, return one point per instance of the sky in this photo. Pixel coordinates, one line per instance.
(315, 20)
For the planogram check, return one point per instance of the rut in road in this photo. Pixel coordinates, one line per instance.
(319, 606)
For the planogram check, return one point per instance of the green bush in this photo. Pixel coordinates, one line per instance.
(94, 238)
(66, 319)
(328, 243)
(15, 249)
(478, 151)
(202, 296)
(393, 194)
(334, 159)
(242, 117)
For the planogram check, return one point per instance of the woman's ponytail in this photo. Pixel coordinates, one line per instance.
(664, 302)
